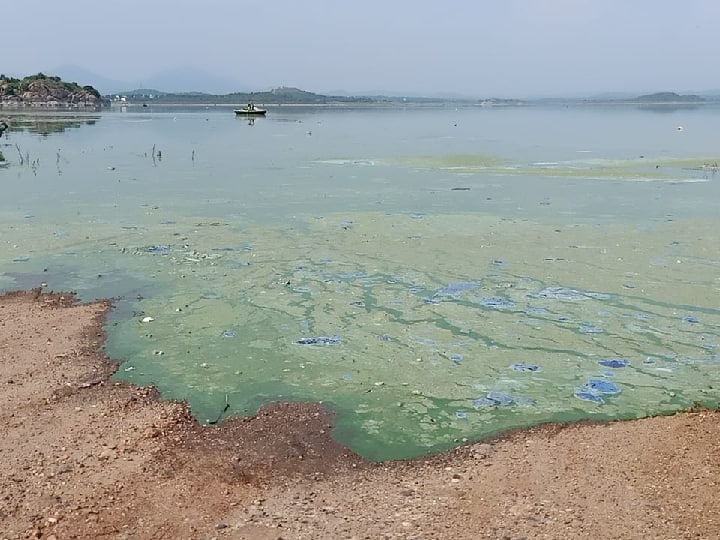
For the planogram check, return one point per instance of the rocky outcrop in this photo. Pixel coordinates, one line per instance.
(42, 91)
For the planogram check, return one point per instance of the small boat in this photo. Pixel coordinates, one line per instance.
(250, 110)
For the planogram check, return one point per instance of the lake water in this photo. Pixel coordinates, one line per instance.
(433, 274)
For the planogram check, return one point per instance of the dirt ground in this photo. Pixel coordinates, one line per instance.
(82, 457)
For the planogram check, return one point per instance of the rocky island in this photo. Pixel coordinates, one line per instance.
(44, 91)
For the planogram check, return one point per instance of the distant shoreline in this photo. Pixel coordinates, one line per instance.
(429, 104)
(14, 106)
(51, 93)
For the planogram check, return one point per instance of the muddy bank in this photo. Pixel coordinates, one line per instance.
(82, 457)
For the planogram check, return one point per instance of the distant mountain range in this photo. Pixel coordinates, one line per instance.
(189, 80)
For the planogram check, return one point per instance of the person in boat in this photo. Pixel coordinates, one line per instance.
(250, 107)
(3, 127)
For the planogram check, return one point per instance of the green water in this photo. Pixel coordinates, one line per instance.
(468, 270)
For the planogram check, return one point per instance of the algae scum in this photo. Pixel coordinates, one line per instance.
(423, 333)
(423, 320)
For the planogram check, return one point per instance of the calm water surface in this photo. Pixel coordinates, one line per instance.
(432, 274)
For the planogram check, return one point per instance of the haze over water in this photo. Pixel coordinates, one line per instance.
(433, 274)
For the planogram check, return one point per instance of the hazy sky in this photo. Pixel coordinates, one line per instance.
(477, 48)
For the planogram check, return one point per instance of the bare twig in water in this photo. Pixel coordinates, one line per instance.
(155, 155)
(22, 159)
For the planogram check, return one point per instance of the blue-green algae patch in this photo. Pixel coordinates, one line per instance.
(421, 330)
(664, 169)
(417, 330)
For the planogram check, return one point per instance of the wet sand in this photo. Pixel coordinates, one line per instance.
(85, 457)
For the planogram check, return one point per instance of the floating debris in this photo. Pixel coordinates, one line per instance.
(496, 302)
(567, 293)
(602, 386)
(228, 333)
(593, 390)
(692, 319)
(147, 319)
(243, 249)
(526, 367)
(319, 340)
(158, 250)
(614, 363)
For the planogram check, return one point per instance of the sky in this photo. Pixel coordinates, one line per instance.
(474, 48)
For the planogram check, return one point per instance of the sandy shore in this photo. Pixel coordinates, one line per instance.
(82, 457)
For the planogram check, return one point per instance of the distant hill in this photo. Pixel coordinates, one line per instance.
(49, 92)
(668, 97)
(281, 95)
